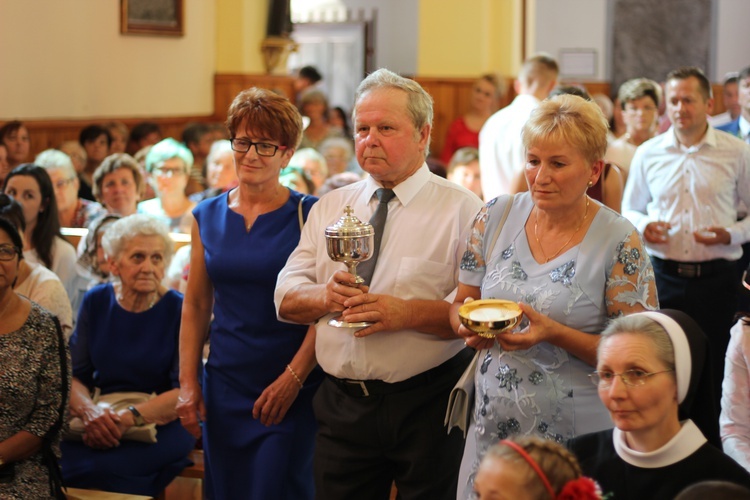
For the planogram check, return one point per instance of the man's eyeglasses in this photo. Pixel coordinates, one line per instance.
(632, 378)
(8, 252)
(64, 182)
(262, 148)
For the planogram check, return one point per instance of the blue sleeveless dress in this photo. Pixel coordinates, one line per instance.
(250, 348)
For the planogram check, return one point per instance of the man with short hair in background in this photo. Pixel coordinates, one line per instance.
(501, 153)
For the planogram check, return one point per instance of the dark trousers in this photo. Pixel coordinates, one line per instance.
(365, 443)
(710, 300)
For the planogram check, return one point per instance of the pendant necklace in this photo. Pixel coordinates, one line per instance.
(539, 244)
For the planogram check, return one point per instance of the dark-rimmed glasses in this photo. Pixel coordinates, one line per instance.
(631, 378)
(8, 252)
(262, 148)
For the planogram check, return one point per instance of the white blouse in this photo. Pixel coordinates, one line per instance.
(735, 397)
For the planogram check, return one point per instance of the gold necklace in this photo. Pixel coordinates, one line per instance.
(539, 244)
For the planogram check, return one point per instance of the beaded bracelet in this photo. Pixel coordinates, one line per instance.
(289, 367)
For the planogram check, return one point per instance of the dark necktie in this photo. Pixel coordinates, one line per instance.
(366, 268)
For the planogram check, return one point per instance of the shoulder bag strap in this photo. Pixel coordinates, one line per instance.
(300, 213)
(499, 228)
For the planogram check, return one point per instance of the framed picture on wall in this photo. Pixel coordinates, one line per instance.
(152, 17)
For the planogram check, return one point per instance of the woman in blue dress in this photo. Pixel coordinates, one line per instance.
(571, 263)
(254, 408)
(126, 340)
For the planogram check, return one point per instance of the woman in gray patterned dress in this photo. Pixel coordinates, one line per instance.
(571, 263)
(32, 382)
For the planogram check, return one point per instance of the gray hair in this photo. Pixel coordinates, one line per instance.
(419, 102)
(302, 156)
(338, 142)
(53, 159)
(218, 148)
(127, 228)
(642, 325)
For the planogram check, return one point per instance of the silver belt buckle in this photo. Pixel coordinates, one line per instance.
(361, 384)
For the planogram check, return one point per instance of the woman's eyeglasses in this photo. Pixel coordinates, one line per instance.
(632, 378)
(8, 252)
(262, 148)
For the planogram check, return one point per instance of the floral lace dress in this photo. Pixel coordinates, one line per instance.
(544, 390)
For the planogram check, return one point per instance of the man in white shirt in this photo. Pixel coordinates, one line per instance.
(501, 153)
(683, 194)
(381, 408)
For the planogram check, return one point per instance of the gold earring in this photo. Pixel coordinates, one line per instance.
(590, 183)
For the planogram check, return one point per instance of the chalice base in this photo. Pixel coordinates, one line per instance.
(340, 323)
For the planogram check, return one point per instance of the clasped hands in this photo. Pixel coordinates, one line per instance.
(104, 427)
(356, 304)
(657, 232)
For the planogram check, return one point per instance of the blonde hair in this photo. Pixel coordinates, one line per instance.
(557, 463)
(571, 120)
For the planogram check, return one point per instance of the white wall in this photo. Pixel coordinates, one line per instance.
(564, 24)
(572, 24)
(396, 31)
(732, 37)
(67, 59)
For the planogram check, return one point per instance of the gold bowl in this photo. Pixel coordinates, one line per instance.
(489, 317)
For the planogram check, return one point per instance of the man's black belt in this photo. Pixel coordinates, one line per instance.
(693, 269)
(365, 388)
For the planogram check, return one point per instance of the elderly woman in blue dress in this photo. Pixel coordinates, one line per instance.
(126, 340)
(571, 263)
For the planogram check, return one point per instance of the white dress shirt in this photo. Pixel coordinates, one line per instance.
(735, 397)
(423, 242)
(501, 152)
(744, 129)
(673, 183)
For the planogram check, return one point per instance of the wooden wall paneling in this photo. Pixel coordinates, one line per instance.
(45, 134)
(227, 86)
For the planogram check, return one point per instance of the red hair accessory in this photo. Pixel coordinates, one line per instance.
(581, 488)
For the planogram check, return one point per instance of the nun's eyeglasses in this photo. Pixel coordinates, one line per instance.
(632, 378)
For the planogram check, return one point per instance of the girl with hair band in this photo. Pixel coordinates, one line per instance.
(532, 468)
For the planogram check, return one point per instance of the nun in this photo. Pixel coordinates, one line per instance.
(652, 375)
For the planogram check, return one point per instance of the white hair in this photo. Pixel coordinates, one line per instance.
(120, 232)
(53, 159)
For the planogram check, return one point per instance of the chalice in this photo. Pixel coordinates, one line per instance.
(350, 241)
(489, 317)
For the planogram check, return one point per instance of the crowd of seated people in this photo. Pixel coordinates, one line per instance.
(650, 424)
